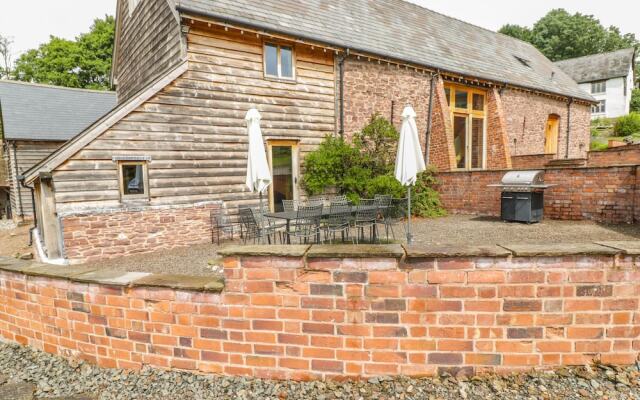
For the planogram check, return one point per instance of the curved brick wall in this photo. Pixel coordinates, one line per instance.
(325, 312)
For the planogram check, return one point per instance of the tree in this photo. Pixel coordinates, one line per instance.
(5, 57)
(560, 35)
(635, 101)
(81, 63)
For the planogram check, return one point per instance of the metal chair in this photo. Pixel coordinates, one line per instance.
(289, 205)
(221, 224)
(307, 223)
(255, 228)
(338, 221)
(315, 200)
(394, 215)
(366, 217)
(383, 202)
(342, 199)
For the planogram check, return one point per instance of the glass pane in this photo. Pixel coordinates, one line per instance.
(282, 171)
(271, 59)
(447, 93)
(477, 142)
(460, 140)
(461, 99)
(286, 62)
(478, 102)
(132, 179)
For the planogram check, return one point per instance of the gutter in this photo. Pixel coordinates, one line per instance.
(18, 176)
(33, 202)
(266, 28)
(566, 152)
(427, 139)
(341, 61)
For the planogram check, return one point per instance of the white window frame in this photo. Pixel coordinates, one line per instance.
(145, 180)
(279, 46)
(600, 108)
(599, 87)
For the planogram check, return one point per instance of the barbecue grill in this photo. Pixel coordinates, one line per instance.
(522, 197)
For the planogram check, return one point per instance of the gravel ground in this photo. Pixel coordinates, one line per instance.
(54, 377)
(14, 240)
(473, 230)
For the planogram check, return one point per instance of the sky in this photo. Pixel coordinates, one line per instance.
(30, 22)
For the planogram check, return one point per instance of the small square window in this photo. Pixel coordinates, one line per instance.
(478, 102)
(599, 87)
(278, 61)
(599, 108)
(133, 180)
(461, 99)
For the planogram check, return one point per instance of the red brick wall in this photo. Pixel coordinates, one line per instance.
(278, 318)
(526, 116)
(626, 155)
(498, 152)
(532, 161)
(89, 237)
(608, 195)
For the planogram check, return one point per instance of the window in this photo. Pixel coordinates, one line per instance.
(468, 117)
(599, 87)
(599, 108)
(278, 61)
(133, 180)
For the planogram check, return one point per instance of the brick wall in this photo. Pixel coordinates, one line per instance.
(526, 115)
(531, 161)
(281, 318)
(625, 155)
(89, 237)
(609, 195)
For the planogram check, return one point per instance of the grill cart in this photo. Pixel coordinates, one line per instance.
(522, 197)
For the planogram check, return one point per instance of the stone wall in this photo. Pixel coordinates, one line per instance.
(526, 116)
(607, 194)
(117, 233)
(340, 311)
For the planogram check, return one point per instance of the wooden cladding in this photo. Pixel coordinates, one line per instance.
(194, 130)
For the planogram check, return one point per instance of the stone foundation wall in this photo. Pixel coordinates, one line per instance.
(609, 195)
(89, 237)
(340, 311)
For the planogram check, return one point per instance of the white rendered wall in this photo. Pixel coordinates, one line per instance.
(617, 96)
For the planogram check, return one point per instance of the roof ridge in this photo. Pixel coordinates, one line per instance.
(43, 85)
(596, 54)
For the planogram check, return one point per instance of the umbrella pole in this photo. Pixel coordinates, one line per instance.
(409, 236)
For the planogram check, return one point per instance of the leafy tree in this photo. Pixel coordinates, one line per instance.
(635, 100)
(5, 57)
(560, 35)
(81, 63)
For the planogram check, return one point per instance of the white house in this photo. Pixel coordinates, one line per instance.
(608, 77)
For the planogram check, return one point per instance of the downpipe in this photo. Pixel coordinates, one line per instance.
(33, 202)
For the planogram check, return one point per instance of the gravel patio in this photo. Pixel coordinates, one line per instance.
(450, 230)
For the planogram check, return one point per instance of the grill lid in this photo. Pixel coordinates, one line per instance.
(523, 178)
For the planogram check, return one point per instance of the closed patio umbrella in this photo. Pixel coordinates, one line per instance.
(258, 174)
(409, 161)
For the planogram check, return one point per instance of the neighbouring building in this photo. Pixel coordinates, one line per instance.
(609, 77)
(148, 174)
(35, 121)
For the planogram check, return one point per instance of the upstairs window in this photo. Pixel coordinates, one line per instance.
(599, 108)
(278, 61)
(598, 87)
(133, 180)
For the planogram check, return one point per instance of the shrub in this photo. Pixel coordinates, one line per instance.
(627, 125)
(365, 167)
(635, 101)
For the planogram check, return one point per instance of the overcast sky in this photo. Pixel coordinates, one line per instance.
(30, 22)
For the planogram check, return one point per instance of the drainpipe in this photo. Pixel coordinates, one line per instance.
(15, 167)
(566, 153)
(33, 201)
(341, 60)
(427, 139)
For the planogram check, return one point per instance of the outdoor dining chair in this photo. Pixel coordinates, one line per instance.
(366, 217)
(315, 200)
(394, 215)
(338, 221)
(341, 199)
(258, 228)
(221, 225)
(306, 225)
(289, 205)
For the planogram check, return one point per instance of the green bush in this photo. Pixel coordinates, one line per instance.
(365, 168)
(627, 125)
(599, 146)
(635, 100)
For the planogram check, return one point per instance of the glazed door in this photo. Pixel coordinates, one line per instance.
(283, 158)
(551, 135)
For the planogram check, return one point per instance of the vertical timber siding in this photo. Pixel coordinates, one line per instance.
(194, 129)
(148, 43)
(28, 153)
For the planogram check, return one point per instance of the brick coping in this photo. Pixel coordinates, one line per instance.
(92, 275)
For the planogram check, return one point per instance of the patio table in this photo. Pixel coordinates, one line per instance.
(291, 215)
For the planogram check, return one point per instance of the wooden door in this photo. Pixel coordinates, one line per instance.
(551, 135)
(283, 159)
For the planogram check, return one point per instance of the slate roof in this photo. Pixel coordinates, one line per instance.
(42, 112)
(599, 67)
(402, 31)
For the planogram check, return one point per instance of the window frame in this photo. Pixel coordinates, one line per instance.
(471, 115)
(599, 84)
(600, 108)
(145, 180)
(279, 46)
